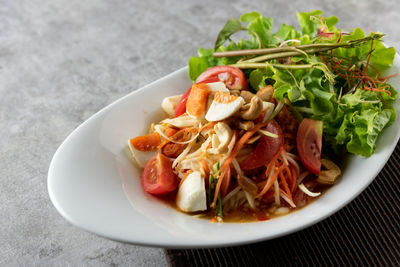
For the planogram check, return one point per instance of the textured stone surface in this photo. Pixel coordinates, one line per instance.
(61, 61)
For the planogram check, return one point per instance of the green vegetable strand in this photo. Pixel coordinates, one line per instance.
(279, 52)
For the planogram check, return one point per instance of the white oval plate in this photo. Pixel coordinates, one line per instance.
(94, 186)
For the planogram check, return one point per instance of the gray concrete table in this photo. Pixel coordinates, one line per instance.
(62, 61)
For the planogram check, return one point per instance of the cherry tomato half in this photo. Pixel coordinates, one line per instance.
(267, 147)
(309, 144)
(233, 77)
(158, 177)
(181, 106)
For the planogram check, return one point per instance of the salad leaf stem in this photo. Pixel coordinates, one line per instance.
(250, 65)
(319, 65)
(304, 110)
(278, 108)
(308, 48)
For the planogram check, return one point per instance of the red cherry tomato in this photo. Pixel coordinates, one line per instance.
(181, 107)
(158, 177)
(309, 144)
(233, 77)
(267, 147)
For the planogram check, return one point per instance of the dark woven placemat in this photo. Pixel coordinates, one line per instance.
(366, 232)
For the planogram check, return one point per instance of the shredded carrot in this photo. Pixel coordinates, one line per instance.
(284, 182)
(378, 89)
(226, 183)
(270, 182)
(271, 165)
(286, 195)
(286, 178)
(206, 170)
(209, 145)
(208, 125)
(340, 61)
(323, 26)
(379, 74)
(372, 81)
(294, 180)
(386, 77)
(369, 56)
(340, 37)
(288, 172)
(226, 165)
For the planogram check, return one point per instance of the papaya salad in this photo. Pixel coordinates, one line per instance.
(268, 119)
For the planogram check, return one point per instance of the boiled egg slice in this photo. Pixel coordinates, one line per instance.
(140, 157)
(218, 86)
(223, 106)
(192, 193)
(169, 103)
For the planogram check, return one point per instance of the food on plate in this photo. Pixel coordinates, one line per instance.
(262, 130)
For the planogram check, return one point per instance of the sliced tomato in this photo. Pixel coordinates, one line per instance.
(148, 142)
(267, 147)
(309, 144)
(158, 177)
(181, 107)
(233, 77)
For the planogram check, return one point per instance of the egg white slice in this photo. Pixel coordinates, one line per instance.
(218, 86)
(169, 103)
(220, 110)
(192, 193)
(140, 157)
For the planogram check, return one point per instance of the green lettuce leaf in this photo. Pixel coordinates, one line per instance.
(259, 26)
(310, 22)
(231, 27)
(365, 130)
